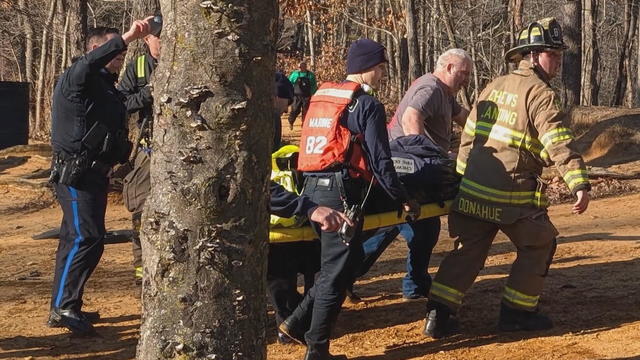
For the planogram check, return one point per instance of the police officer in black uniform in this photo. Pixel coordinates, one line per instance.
(135, 85)
(88, 136)
(313, 319)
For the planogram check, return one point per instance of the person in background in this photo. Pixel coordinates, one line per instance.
(282, 99)
(136, 86)
(286, 260)
(304, 85)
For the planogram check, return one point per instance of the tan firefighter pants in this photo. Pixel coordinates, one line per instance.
(535, 240)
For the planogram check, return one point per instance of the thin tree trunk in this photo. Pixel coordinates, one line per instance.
(637, 92)
(472, 46)
(415, 67)
(446, 20)
(310, 38)
(28, 43)
(631, 90)
(435, 30)
(391, 55)
(27, 28)
(590, 54)
(41, 69)
(56, 37)
(377, 10)
(628, 32)
(65, 59)
(77, 13)
(423, 38)
(572, 60)
(205, 226)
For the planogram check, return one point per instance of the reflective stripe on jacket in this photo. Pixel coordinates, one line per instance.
(514, 131)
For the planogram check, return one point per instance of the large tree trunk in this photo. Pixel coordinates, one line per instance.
(590, 54)
(572, 61)
(205, 225)
(415, 67)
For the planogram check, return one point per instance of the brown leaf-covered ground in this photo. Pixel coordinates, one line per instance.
(592, 292)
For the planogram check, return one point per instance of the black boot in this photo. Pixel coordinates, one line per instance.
(515, 320)
(54, 318)
(352, 297)
(438, 323)
(314, 355)
(73, 320)
(294, 328)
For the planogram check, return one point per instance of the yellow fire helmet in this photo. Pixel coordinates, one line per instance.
(541, 35)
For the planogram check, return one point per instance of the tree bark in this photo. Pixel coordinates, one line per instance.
(310, 39)
(42, 67)
(77, 13)
(631, 89)
(445, 13)
(57, 40)
(205, 225)
(630, 17)
(590, 54)
(28, 43)
(572, 60)
(415, 67)
(377, 11)
(446, 20)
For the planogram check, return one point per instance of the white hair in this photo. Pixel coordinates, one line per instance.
(446, 57)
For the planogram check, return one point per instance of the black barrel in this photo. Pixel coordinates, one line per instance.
(14, 113)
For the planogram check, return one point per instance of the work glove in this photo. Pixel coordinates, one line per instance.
(410, 210)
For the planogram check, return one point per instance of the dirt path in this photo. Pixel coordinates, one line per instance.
(592, 293)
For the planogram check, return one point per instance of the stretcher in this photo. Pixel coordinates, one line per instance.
(373, 221)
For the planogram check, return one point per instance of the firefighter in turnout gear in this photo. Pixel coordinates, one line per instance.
(135, 85)
(516, 129)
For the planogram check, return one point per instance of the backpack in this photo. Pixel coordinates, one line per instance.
(137, 183)
(302, 87)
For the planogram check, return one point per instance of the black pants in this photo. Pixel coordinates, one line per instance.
(285, 262)
(136, 247)
(338, 263)
(300, 104)
(81, 238)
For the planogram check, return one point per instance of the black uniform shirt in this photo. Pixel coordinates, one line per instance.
(286, 204)
(366, 116)
(84, 94)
